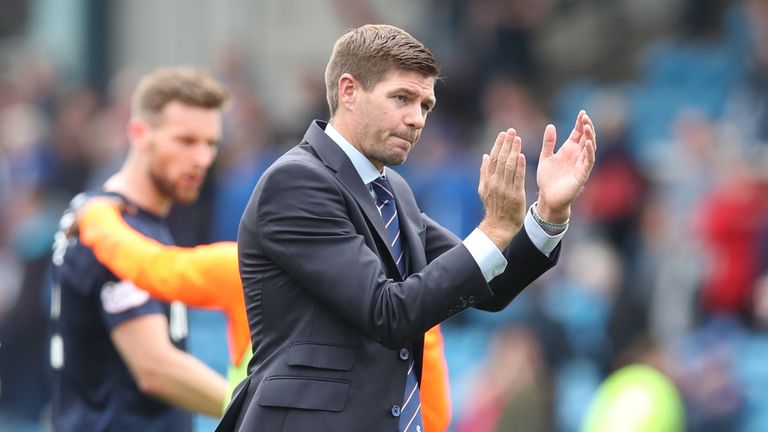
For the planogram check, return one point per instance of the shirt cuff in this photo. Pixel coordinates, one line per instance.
(544, 242)
(488, 257)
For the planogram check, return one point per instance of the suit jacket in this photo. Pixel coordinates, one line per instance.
(332, 322)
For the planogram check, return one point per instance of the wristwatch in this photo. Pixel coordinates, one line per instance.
(549, 228)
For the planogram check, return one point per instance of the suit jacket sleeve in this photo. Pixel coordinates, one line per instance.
(300, 216)
(525, 263)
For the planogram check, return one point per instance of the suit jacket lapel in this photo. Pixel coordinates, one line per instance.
(335, 159)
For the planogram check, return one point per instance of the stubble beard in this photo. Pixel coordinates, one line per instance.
(383, 151)
(167, 188)
(395, 158)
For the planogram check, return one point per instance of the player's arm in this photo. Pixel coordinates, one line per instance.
(203, 276)
(435, 391)
(165, 372)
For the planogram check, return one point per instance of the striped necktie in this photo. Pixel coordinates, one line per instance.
(385, 201)
(410, 413)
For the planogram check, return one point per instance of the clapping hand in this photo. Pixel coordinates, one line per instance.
(502, 189)
(561, 175)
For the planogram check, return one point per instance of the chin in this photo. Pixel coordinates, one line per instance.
(186, 198)
(397, 159)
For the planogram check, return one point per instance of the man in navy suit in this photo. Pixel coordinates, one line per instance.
(343, 273)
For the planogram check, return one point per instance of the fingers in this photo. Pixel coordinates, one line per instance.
(503, 160)
(589, 151)
(519, 183)
(586, 159)
(502, 165)
(484, 174)
(578, 128)
(549, 141)
(506, 151)
(494, 156)
(589, 130)
(510, 168)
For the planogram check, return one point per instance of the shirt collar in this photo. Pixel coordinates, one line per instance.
(365, 169)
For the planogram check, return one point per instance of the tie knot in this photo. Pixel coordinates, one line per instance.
(383, 190)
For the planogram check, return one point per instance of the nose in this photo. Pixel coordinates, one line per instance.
(204, 154)
(415, 117)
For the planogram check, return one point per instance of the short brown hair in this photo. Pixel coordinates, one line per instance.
(182, 84)
(369, 53)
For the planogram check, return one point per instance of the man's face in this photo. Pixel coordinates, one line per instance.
(389, 118)
(181, 146)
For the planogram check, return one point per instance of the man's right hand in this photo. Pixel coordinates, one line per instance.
(123, 206)
(502, 189)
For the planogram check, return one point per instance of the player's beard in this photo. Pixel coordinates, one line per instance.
(168, 188)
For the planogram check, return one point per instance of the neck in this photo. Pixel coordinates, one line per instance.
(341, 127)
(133, 182)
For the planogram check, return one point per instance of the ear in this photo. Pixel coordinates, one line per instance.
(137, 129)
(348, 89)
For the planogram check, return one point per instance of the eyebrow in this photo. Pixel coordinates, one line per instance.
(430, 101)
(191, 136)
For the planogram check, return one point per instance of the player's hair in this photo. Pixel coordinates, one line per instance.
(369, 53)
(187, 85)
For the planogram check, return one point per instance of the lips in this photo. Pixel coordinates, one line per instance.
(193, 180)
(408, 138)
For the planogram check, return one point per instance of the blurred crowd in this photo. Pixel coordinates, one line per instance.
(666, 258)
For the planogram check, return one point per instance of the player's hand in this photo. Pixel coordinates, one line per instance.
(562, 175)
(72, 228)
(502, 189)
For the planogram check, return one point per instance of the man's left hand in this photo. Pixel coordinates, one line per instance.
(562, 175)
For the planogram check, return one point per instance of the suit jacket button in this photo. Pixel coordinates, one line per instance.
(395, 411)
(404, 354)
(471, 299)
